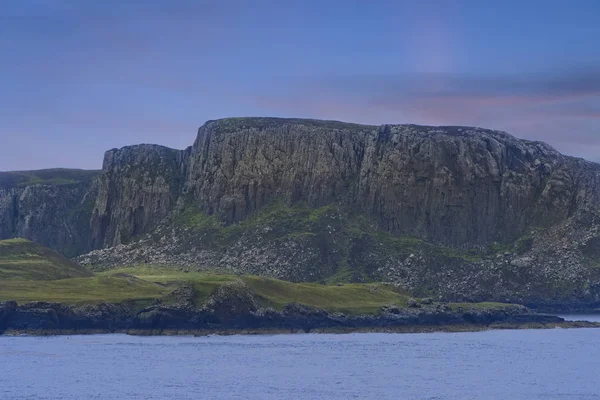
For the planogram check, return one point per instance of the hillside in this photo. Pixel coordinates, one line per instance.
(153, 300)
(21, 259)
(41, 291)
(148, 284)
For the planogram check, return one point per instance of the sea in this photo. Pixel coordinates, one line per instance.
(496, 364)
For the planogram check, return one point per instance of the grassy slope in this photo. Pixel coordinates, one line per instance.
(32, 272)
(353, 298)
(350, 298)
(21, 259)
(143, 284)
(81, 290)
(56, 176)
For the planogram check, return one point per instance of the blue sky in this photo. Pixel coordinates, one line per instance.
(80, 77)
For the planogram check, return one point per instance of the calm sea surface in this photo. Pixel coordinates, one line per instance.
(520, 364)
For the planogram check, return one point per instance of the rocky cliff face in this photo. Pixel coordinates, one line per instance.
(454, 211)
(139, 186)
(461, 187)
(55, 213)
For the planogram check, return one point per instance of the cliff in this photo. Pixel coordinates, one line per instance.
(139, 186)
(460, 187)
(51, 207)
(458, 212)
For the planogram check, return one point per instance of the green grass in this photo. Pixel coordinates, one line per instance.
(144, 284)
(349, 298)
(353, 298)
(344, 274)
(204, 283)
(356, 298)
(167, 275)
(193, 218)
(21, 259)
(82, 290)
(56, 176)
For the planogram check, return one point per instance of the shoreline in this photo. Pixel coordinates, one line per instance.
(236, 312)
(404, 329)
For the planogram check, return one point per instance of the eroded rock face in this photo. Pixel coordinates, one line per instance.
(463, 187)
(53, 215)
(138, 187)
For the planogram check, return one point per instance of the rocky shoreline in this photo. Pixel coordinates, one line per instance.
(569, 308)
(42, 318)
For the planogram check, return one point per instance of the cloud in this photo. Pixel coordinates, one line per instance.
(562, 109)
(568, 85)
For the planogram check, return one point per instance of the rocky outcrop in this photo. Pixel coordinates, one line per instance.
(43, 316)
(453, 212)
(56, 216)
(48, 318)
(462, 187)
(139, 186)
(511, 219)
(231, 299)
(547, 268)
(456, 186)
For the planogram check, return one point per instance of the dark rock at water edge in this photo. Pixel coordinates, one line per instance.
(53, 317)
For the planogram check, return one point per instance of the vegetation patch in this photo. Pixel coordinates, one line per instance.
(349, 298)
(142, 285)
(339, 239)
(56, 176)
(275, 293)
(21, 259)
(94, 289)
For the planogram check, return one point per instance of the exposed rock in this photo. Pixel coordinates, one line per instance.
(106, 316)
(412, 303)
(183, 297)
(231, 299)
(497, 218)
(56, 216)
(463, 187)
(7, 309)
(458, 186)
(138, 187)
(391, 309)
(48, 318)
(40, 315)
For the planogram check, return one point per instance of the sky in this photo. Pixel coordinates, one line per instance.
(78, 77)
